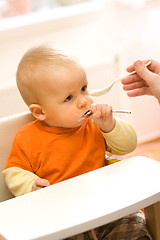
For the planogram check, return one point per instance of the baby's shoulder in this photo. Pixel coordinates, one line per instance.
(27, 131)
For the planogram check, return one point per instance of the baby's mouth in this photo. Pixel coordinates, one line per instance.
(87, 114)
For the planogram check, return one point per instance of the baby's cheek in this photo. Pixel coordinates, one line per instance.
(72, 115)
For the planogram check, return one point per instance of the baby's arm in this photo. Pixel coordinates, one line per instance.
(120, 136)
(122, 139)
(20, 181)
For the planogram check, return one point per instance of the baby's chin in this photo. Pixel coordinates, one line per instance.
(78, 123)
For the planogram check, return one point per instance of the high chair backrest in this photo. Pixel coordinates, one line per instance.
(8, 128)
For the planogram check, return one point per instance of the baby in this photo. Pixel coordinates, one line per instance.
(70, 134)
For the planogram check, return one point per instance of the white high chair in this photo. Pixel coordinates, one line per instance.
(81, 203)
(8, 128)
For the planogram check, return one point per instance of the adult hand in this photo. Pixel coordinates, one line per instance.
(145, 82)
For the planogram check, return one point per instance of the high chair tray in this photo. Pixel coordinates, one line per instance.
(82, 203)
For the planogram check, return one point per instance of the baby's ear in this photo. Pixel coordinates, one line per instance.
(37, 112)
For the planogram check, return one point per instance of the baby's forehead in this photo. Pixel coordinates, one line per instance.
(62, 73)
(60, 65)
(55, 64)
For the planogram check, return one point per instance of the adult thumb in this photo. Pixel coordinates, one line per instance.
(144, 72)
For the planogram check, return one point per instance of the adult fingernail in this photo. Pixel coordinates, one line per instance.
(138, 63)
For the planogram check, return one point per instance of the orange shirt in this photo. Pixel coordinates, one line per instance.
(57, 154)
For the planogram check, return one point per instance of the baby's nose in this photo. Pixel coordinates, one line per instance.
(82, 101)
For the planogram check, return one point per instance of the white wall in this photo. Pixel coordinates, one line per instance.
(116, 34)
(136, 30)
(78, 29)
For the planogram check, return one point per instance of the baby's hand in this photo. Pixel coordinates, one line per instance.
(103, 117)
(40, 183)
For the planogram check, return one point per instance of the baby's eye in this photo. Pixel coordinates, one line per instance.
(68, 98)
(84, 89)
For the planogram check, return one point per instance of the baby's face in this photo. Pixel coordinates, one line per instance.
(66, 100)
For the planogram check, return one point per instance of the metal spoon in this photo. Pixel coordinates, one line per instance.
(102, 91)
(89, 112)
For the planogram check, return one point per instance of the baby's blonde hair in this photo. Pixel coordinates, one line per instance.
(33, 63)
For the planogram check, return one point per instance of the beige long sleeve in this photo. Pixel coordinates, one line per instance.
(122, 139)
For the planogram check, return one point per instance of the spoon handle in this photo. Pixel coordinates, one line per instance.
(113, 111)
(121, 111)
